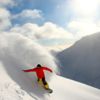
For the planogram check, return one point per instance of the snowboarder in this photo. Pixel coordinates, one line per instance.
(40, 74)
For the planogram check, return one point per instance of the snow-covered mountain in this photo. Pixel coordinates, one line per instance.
(81, 62)
(17, 53)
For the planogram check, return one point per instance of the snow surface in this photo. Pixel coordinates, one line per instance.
(17, 53)
(28, 89)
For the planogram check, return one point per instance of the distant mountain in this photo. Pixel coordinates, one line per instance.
(81, 62)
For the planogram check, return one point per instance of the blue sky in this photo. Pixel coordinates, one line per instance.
(50, 10)
(52, 22)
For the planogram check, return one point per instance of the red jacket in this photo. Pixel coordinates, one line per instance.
(39, 71)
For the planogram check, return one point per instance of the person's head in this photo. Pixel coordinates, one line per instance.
(38, 65)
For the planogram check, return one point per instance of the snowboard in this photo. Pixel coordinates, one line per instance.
(48, 90)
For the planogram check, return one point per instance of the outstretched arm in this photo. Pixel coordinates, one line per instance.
(30, 70)
(48, 69)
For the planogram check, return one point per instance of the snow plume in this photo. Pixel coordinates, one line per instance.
(24, 52)
(18, 52)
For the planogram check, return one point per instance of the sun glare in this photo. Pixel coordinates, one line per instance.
(85, 7)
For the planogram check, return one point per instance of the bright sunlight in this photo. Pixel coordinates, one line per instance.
(85, 7)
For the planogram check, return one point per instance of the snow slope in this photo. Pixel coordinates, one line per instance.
(64, 89)
(17, 53)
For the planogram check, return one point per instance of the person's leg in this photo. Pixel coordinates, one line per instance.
(45, 83)
(39, 81)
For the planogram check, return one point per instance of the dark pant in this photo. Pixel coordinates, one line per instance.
(43, 80)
